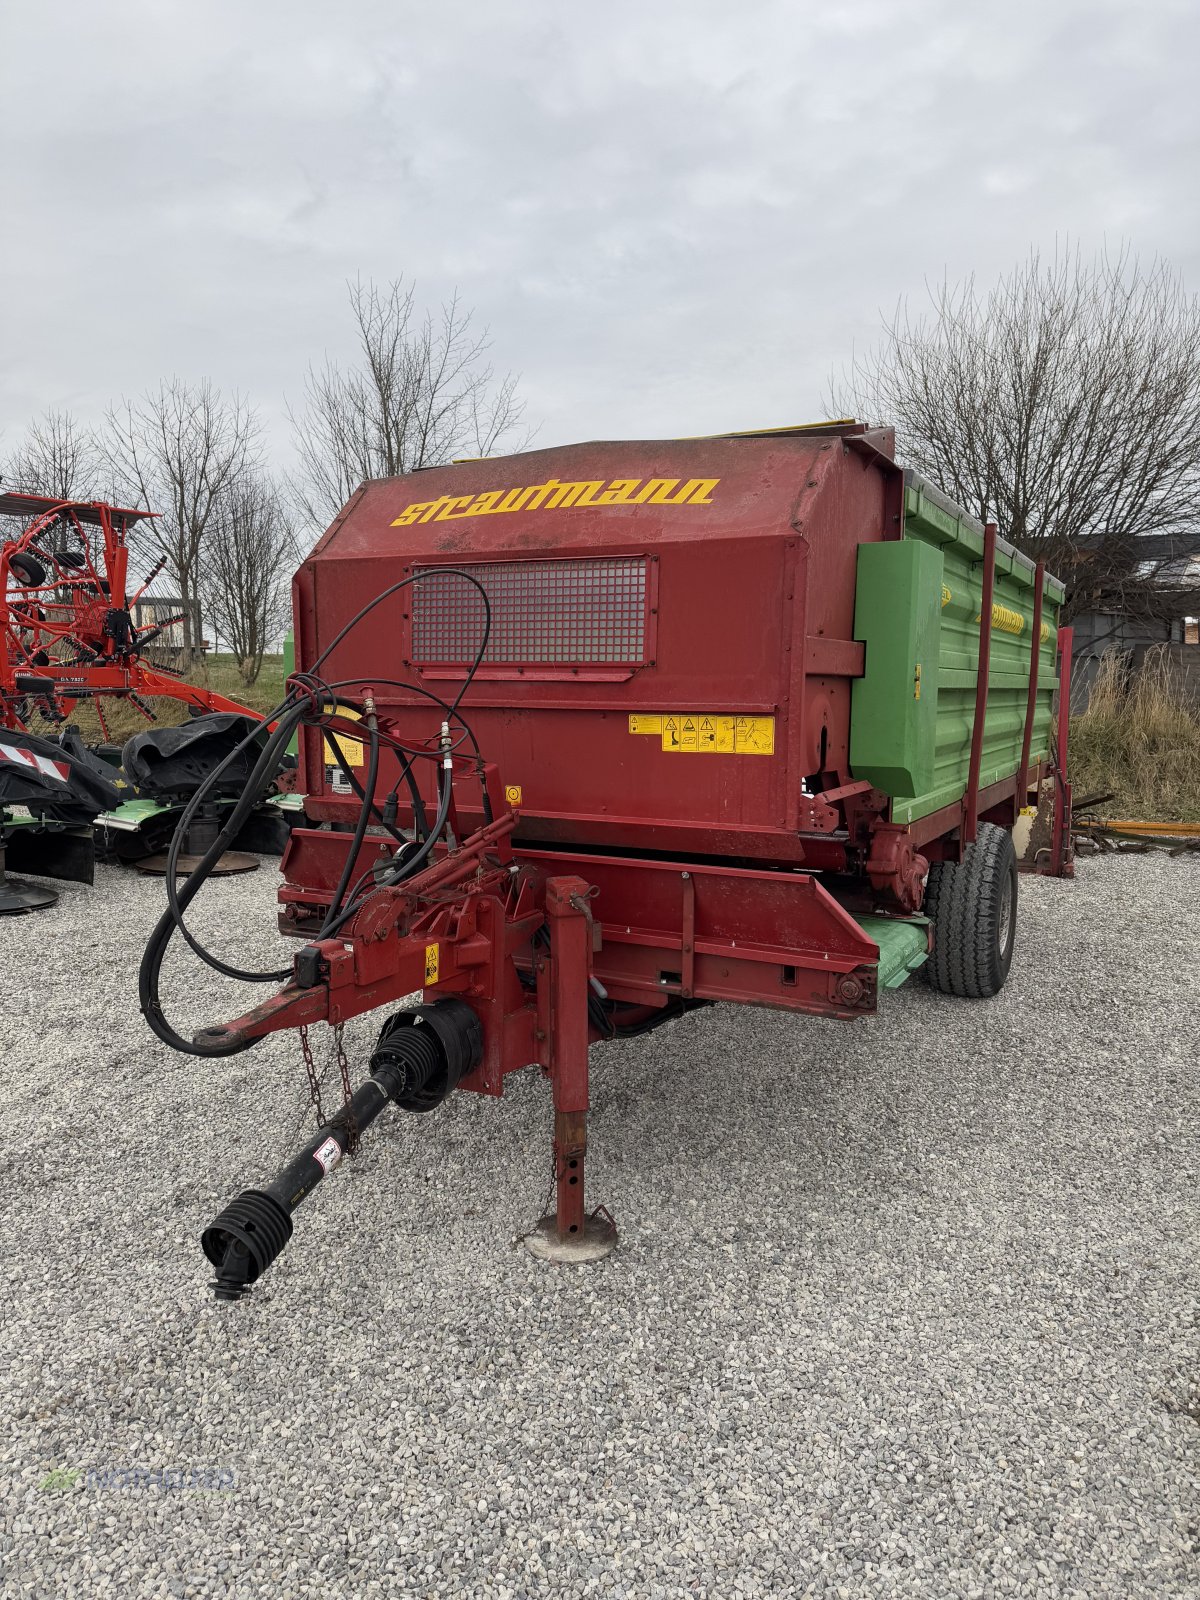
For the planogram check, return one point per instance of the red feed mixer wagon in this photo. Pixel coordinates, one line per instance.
(611, 731)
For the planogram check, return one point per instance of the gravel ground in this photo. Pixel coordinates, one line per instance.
(900, 1307)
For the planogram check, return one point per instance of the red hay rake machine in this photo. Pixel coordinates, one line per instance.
(66, 626)
(68, 637)
(593, 736)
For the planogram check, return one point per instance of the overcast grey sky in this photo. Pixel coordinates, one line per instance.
(676, 217)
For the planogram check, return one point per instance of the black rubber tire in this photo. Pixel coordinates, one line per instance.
(972, 904)
(28, 569)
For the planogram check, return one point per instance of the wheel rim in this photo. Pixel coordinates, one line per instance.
(1006, 916)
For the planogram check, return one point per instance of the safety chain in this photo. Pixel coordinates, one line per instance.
(314, 1083)
(344, 1067)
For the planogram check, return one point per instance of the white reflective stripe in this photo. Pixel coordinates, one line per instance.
(27, 758)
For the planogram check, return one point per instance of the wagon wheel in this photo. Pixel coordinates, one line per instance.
(973, 906)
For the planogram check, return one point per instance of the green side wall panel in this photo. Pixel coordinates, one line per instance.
(893, 712)
(289, 666)
(918, 751)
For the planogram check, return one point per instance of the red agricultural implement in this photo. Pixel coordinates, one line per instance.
(68, 637)
(614, 731)
(67, 632)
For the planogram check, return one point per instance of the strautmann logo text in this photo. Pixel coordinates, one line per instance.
(554, 496)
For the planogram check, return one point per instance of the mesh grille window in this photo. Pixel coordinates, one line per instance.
(544, 613)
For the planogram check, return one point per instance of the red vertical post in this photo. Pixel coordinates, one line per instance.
(116, 560)
(1060, 866)
(1035, 652)
(970, 824)
(571, 961)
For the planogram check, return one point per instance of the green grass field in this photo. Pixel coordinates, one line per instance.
(216, 672)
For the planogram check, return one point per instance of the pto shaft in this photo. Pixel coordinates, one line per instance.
(421, 1055)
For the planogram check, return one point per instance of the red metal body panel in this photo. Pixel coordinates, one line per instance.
(562, 734)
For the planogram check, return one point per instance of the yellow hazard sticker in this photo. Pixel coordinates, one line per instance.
(707, 732)
(352, 749)
(432, 962)
(754, 736)
(513, 793)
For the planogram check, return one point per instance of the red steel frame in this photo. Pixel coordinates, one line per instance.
(1061, 862)
(1035, 651)
(58, 644)
(790, 944)
(970, 826)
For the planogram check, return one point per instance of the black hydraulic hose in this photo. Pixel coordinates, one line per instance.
(172, 919)
(406, 776)
(177, 899)
(436, 699)
(404, 583)
(364, 818)
(287, 716)
(406, 868)
(152, 958)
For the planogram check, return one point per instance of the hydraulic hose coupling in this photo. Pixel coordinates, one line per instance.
(421, 1056)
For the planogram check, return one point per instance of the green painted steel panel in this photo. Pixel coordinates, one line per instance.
(289, 666)
(135, 812)
(893, 714)
(933, 523)
(903, 946)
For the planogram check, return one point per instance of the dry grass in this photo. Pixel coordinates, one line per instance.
(217, 672)
(1141, 741)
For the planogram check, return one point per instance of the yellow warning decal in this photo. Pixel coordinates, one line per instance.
(352, 749)
(512, 793)
(946, 597)
(708, 732)
(432, 962)
(754, 736)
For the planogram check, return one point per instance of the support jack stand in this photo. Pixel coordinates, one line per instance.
(569, 1234)
(596, 1239)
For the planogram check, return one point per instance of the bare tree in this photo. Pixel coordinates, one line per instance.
(249, 556)
(422, 392)
(181, 450)
(58, 457)
(1063, 404)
